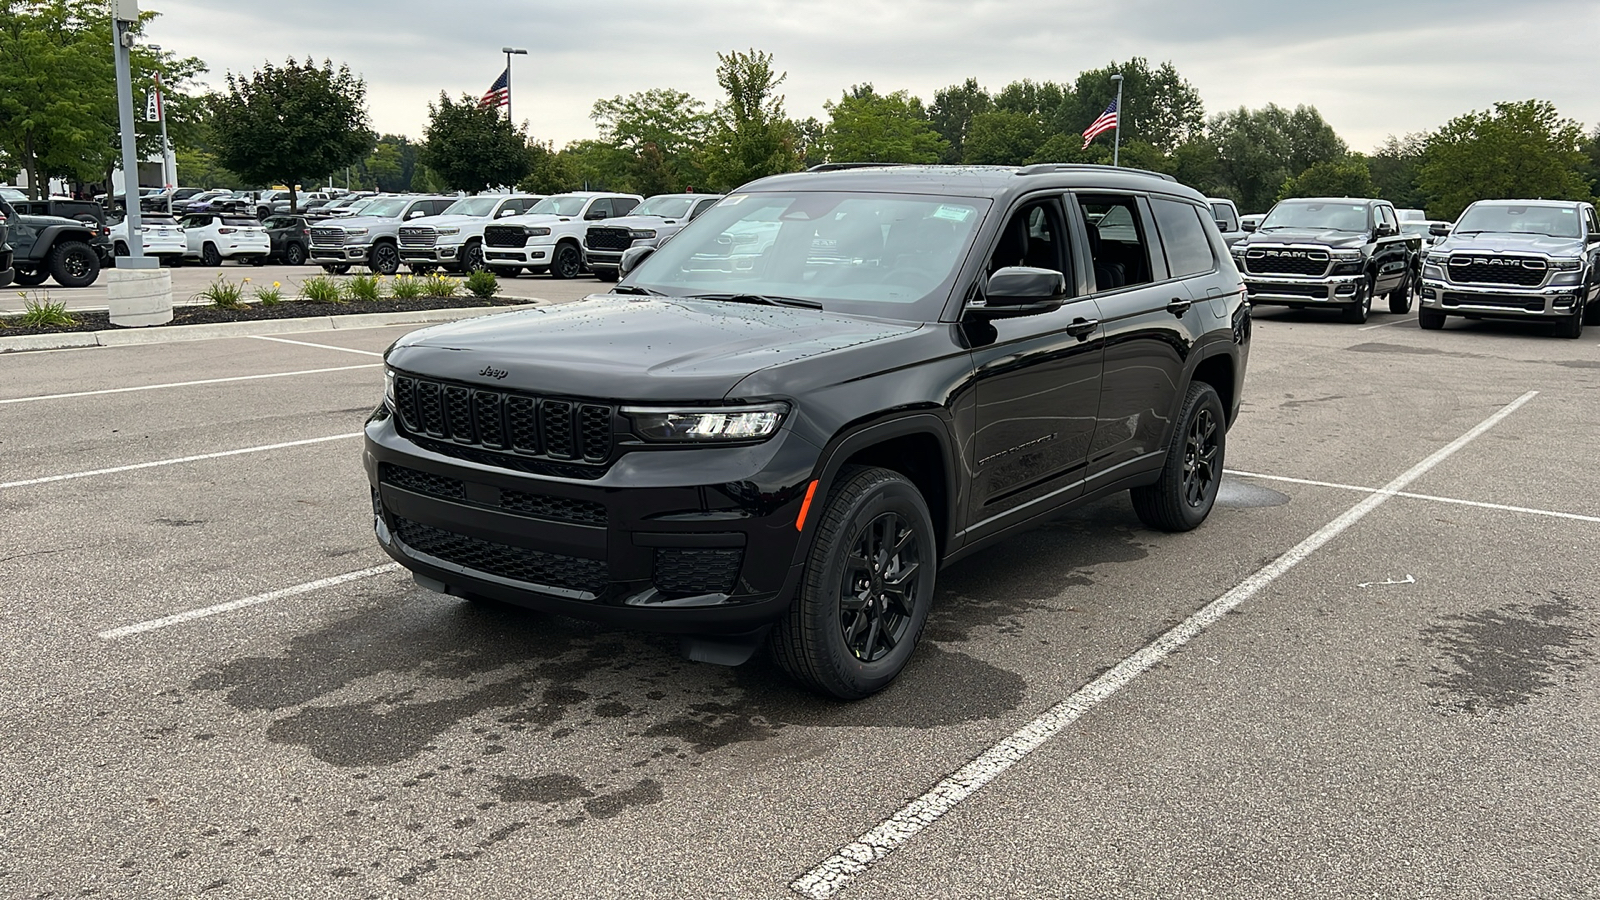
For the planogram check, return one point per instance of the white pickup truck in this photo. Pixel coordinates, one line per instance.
(453, 239)
(549, 237)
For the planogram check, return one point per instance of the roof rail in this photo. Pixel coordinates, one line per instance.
(1041, 168)
(836, 167)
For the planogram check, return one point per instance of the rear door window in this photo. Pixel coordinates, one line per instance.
(1183, 237)
(1118, 240)
(702, 206)
(621, 206)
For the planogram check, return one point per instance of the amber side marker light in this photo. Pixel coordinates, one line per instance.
(805, 507)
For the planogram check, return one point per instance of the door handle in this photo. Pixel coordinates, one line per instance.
(1081, 328)
(1179, 306)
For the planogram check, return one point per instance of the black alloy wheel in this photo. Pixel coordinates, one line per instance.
(472, 258)
(209, 256)
(384, 258)
(879, 592)
(30, 277)
(1183, 495)
(568, 262)
(119, 249)
(294, 255)
(74, 264)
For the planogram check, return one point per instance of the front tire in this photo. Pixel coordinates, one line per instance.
(30, 278)
(384, 259)
(74, 264)
(606, 274)
(294, 255)
(568, 262)
(867, 589)
(1356, 313)
(1430, 320)
(472, 258)
(1187, 489)
(1572, 326)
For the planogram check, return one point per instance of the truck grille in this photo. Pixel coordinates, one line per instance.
(1451, 298)
(537, 506)
(327, 237)
(1522, 271)
(1314, 264)
(543, 427)
(534, 567)
(685, 571)
(418, 237)
(505, 236)
(608, 239)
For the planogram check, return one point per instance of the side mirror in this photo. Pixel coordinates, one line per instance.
(1022, 291)
(1384, 229)
(1594, 237)
(631, 258)
(1439, 229)
(507, 212)
(1248, 226)
(596, 214)
(416, 214)
(1222, 224)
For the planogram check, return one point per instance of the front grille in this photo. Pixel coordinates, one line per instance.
(1522, 271)
(327, 237)
(686, 571)
(1294, 290)
(534, 567)
(1454, 299)
(418, 238)
(504, 236)
(1312, 264)
(610, 239)
(537, 506)
(566, 430)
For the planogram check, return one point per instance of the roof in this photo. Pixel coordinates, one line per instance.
(1551, 203)
(970, 181)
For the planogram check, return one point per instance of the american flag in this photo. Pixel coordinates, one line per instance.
(499, 93)
(1106, 122)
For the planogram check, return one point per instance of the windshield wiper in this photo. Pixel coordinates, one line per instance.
(759, 298)
(636, 289)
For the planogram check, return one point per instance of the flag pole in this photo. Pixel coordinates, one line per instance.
(509, 52)
(1116, 141)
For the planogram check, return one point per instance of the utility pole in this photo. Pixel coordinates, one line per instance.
(510, 52)
(138, 290)
(169, 161)
(1116, 141)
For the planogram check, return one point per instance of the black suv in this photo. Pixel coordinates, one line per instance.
(291, 239)
(6, 272)
(782, 423)
(1333, 252)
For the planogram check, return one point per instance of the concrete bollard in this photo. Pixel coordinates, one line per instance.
(139, 297)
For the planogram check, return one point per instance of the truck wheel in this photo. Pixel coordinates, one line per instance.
(867, 588)
(1430, 320)
(1356, 313)
(1400, 298)
(1571, 326)
(568, 262)
(384, 258)
(30, 277)
(74, 264)
(472, 258)
(1187, 489)
(294, 255)
(210, 256)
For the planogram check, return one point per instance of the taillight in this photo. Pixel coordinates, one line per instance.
(226, 230)
(305, 231)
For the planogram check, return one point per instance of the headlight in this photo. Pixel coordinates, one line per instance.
(1566, 265)
(388, 386)
(736, 423)
(448, 229)
(538, 232)
(643, 233)
(1345, 254)
(355, 231)
(1438, 259)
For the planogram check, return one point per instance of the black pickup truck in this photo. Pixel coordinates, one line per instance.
(68, 250)
(1337, 253)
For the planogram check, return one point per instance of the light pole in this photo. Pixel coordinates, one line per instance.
(138, 290)
(1116, 140)
(510, 52)
(169, 163)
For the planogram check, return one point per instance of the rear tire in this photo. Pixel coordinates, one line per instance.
(1430, 320)
(1187, 489)
(74, 264)
(1400, 298)
(30, 277)
(209, 256)
(867, 588)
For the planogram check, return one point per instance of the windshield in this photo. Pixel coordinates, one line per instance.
(850, 252)
(472, 206)
(665, 207)
(558, 206)
(1554, 221)
(387, 208)
(1331, 216)
(360, 206)
(1414, 227)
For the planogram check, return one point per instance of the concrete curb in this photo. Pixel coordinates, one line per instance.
(166, 334)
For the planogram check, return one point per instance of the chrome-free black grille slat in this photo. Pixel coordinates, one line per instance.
(486, 406)
(561, 509)
(612, 239)
(516, 563)
(696, 571)
(430, 411)
(405, 398)
(556, 417)
(522, 422)
(458, 411)
(422, 482)
(467, 416)
(595, 424)
(503, 236)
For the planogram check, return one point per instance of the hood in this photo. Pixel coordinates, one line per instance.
(48, 221)
(632, 348)
(368, 222)
(457, 220)
(1328, 237)
(1501, 242)
(540, 219)
(641, 222)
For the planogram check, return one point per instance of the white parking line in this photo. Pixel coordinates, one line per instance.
(262, 337)
(1432, 497)
(231, 605)
(1383, 324)
(173, 462)
(861, 854)
(179, 384)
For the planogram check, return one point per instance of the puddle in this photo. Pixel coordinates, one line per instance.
(1237, 493)
(1502, 658)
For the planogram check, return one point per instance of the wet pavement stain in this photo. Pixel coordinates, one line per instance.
(1235, 493)
(1502, 658)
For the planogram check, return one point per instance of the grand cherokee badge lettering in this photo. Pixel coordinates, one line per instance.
(492, 372)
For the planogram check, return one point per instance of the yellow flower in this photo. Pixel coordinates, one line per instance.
(276, 284)
(247, 281)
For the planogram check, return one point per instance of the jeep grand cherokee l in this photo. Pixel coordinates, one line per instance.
(1535, 260)
(920, 362)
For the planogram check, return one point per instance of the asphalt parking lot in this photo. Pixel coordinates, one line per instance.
(217, 686)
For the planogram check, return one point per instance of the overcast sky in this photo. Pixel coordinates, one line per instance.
(1372, 68)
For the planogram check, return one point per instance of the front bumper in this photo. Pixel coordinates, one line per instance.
(679, 541)
(346, 253)
(529, 255)
(437, 254)
(1329, 290)
(1501, 302)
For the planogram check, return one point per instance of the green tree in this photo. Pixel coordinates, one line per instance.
(57, 103)
(952, 112)
(1258, 150)
(865, 126)
(471, 147)
(549, 172)
(1002, 138)
(285, 123)
(1159, 106)
(750, 136)
(658, 133)
(1394, 167)
(1520, 150)
(1348, 177)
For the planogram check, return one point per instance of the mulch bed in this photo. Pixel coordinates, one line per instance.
(288, 309)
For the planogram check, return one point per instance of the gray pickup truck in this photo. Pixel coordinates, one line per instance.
(649, 225)
(372, 238)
